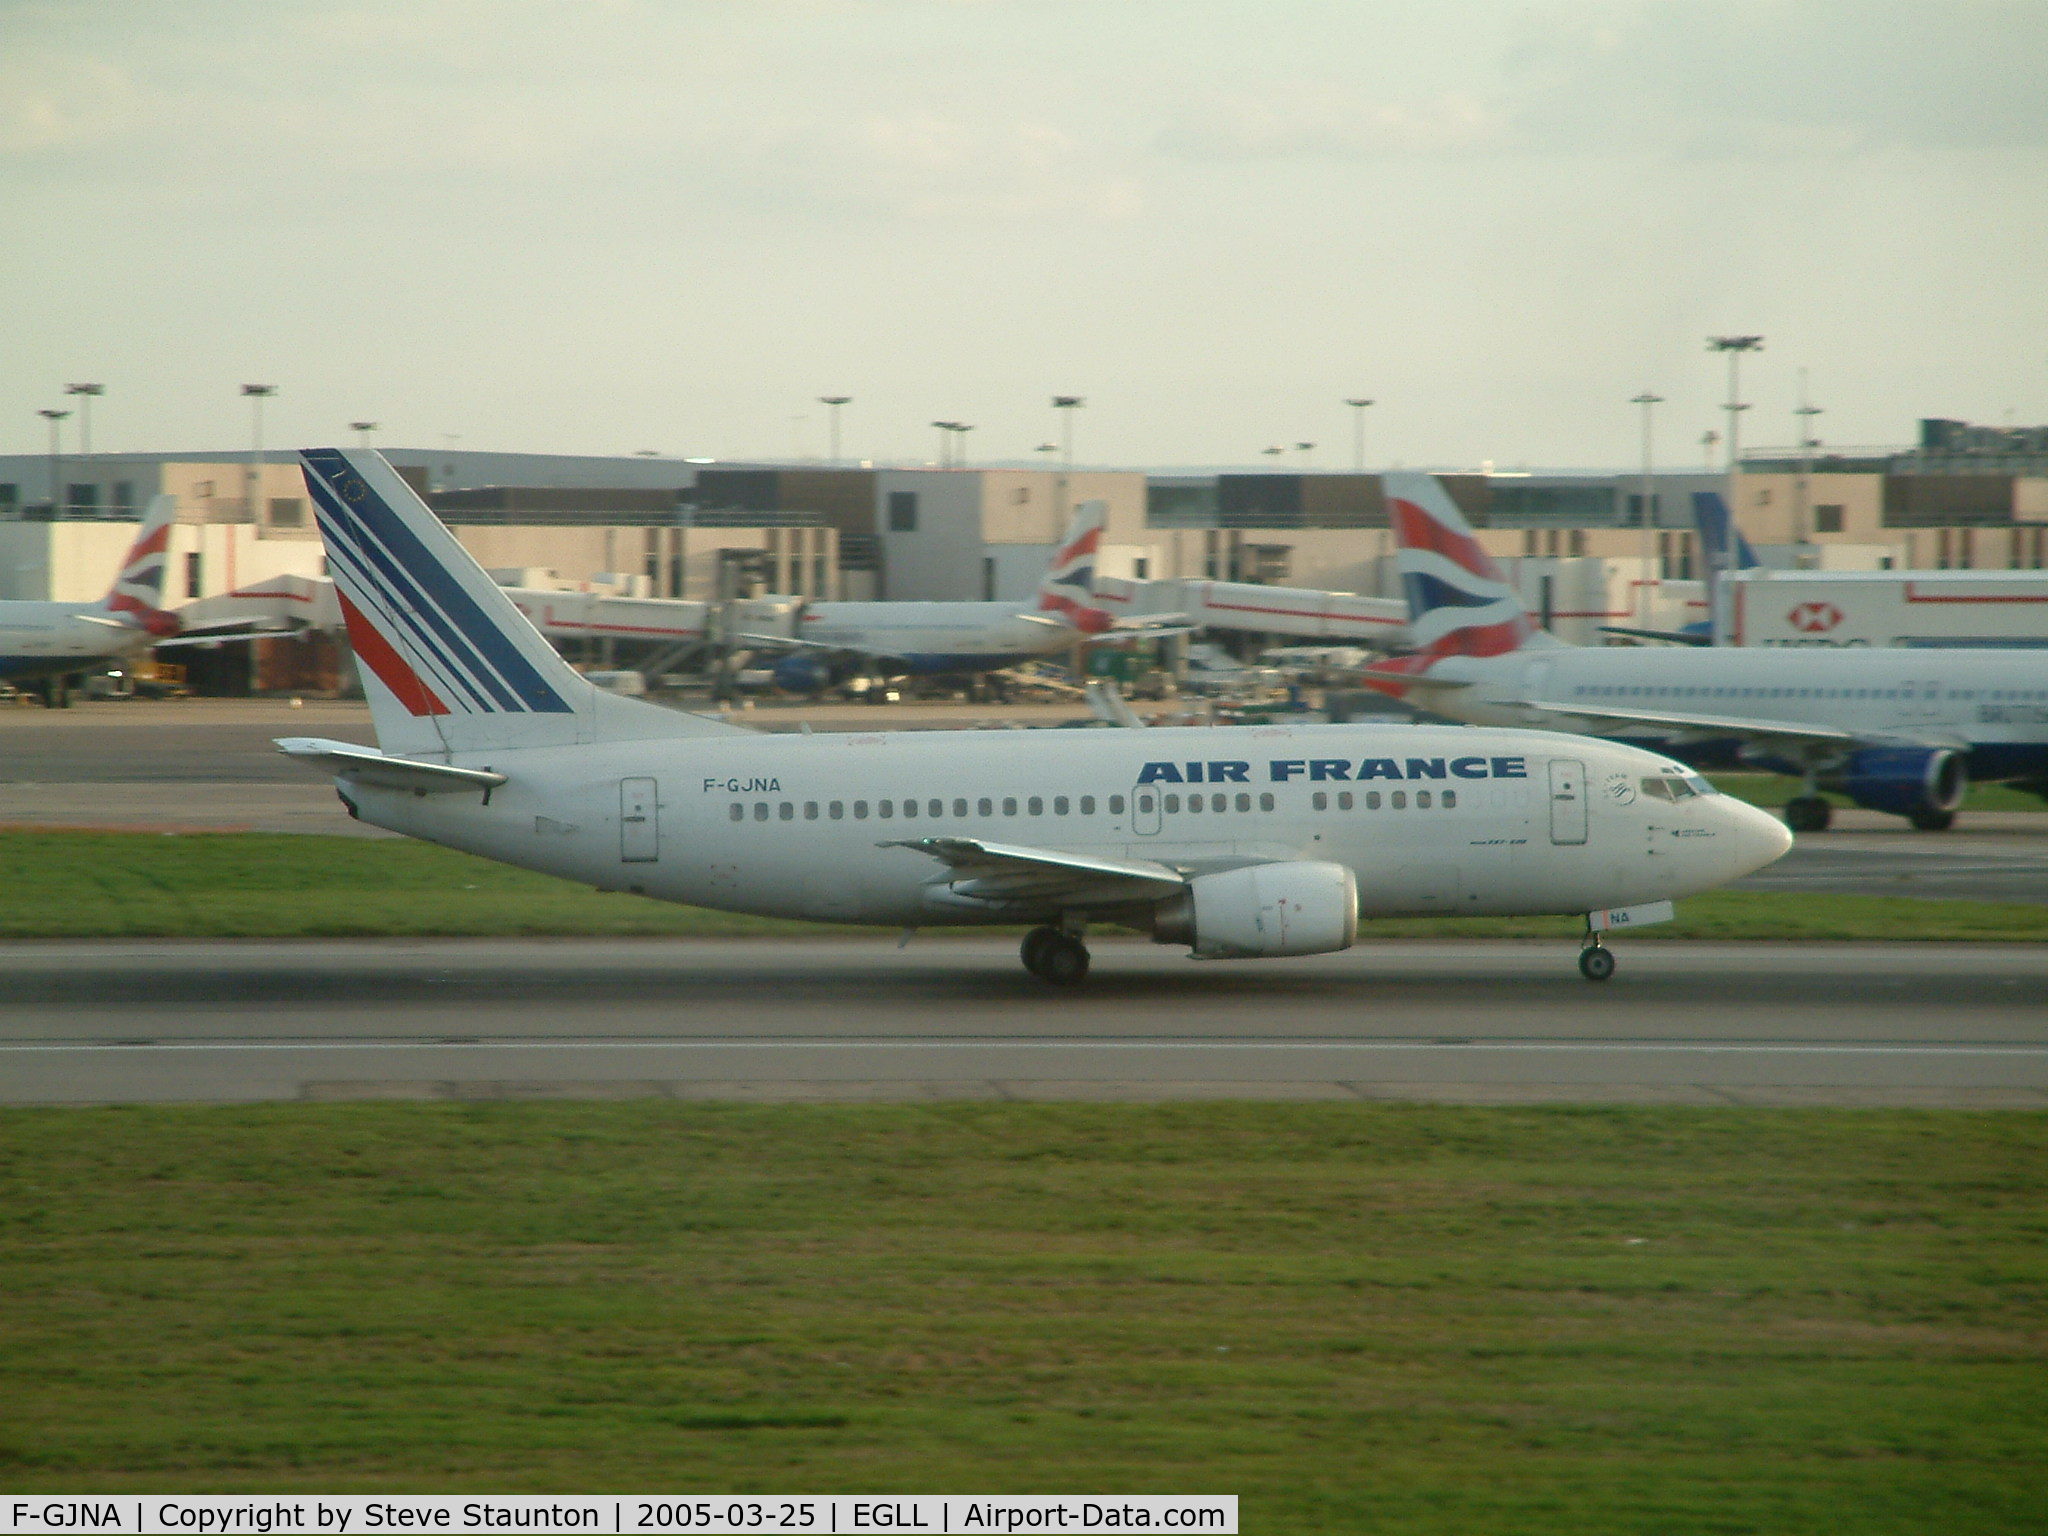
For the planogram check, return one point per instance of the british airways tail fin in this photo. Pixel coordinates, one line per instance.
(137, 594)
(448, 664)
(1068, 591)
(1459, 602)
(1721, 542)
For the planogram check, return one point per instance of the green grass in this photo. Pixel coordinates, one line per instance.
(265, 885)
(1374, 1318)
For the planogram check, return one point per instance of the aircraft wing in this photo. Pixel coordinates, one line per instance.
(1729, 725)
(367, 765)
(1006, 873)
(822, 647)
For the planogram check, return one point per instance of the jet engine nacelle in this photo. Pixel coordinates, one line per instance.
(1301, 908)
(1904, 781)
(800, 673)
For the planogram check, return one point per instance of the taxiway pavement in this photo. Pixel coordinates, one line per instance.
(169, 1021)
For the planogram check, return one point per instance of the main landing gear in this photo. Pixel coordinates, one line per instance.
(1808, 813)
(1055, 956)
(1596, 960)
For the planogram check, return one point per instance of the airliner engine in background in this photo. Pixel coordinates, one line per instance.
(47, 642)
(1901, 731)
(1239, 844)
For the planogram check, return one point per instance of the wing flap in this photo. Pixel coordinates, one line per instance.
(1010, 873)
(366, 765)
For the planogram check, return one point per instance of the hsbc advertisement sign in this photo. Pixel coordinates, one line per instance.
(1932, 608)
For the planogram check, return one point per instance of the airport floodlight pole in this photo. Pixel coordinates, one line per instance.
(1066, 405)
(1708, 439)
(945, 429)
(257, 394)
(1734, 346)
(56, 460)
(1649, 401)
(1358, 434)
(832, 403)
(86, 393)
(960, 430)
(362, 430)
(1803, 414)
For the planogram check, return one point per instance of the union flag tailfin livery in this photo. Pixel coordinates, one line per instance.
(1895, 730)
(1239, 845)
(47, 642)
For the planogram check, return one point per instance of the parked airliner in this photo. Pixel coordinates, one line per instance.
(1238, 844)
(1901, 731)
(48, 641)
(834, 640)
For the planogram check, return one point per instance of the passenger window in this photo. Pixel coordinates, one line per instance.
(810, 810)
(1144, 802)
(739, 812)
(836, 810)
(1244, 802)
(959, 809)
(1219, 802)
(938, 808)
(1450, 799)
(1035, 806)
(1009, 805)
(1319, 801)
(910, 810)
(1116, 805)
(886, 809)
(1372, 799)
(986, 807)
(1344, 800)
(1422, 799)
(1266, 801)
(860, 810)
(760, 810)
(1172, 802)
(787, 811)
(1059, 805)
(1398, 799)
(1087, 805)
(1195, 804)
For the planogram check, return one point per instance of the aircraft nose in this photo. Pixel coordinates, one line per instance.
(1760, 838)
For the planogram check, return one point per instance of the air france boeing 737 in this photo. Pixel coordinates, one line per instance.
(49, 640)
(1238, 843)
(1895, 730)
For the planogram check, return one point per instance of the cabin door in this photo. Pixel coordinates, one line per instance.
(1567, 800)
(1145, 810)
(639, 822)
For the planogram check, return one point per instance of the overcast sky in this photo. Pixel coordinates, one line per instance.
(612, 225)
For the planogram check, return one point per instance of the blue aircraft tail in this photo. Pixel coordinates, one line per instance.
(1721, 542)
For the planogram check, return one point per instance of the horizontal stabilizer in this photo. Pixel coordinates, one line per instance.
(366, 765)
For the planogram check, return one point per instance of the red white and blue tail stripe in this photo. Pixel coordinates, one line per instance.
(138, 591)
(1459, 603)
(1068, 590)
(425, 622)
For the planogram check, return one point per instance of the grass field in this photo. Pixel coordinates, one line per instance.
(257, 885)
(1774, 789)
(1394, 1319)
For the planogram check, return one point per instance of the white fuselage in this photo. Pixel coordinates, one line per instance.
(1981, 698)
(935, 636)
(38, 639)
(1430, 819)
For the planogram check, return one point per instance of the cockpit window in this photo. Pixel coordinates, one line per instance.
(1676, 786)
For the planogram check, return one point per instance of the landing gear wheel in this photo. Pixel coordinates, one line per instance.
(1596, 962)
(1808, 813)
(1933, 821)
(1055, 957)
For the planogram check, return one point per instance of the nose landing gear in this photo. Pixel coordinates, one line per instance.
(1596, 960)
(1055, 956)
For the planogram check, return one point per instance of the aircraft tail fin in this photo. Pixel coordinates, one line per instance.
(1459, 602)
(137, 594)
(1721, 542)
(449, 664)
(1068, 591)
